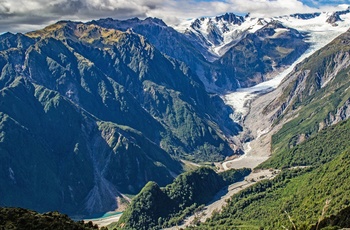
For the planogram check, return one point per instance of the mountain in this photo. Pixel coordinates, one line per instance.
(214, 32)
(156, 208)
(234, 41)
(309, 112)
(315, 93)
(89, 114)
(220, 71)
(254, 57)
(167, 40)
(60, 157)
(231, 51)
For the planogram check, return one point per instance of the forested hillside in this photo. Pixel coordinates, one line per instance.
(155, 207)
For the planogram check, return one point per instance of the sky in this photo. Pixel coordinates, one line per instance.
(28, 15)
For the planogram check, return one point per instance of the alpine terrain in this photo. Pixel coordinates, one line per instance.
(103, 115)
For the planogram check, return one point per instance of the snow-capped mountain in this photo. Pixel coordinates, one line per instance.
(218, 34)
(215, 48)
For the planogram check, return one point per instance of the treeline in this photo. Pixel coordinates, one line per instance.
(19, 218)
(156, 208)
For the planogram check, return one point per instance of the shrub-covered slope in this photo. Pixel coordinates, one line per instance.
(19, 218)
(299, 194)
(155, 207)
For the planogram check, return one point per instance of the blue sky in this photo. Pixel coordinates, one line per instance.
(312, 3)
(27, 15)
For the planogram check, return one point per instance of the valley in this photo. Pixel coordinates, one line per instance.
(130, 108)
(248, 103)
(260, 124)
(220, 199)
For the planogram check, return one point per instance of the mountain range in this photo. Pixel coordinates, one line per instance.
(90, 112)
(307, 115)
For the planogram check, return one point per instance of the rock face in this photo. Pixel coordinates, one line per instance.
(271, 47)
(315, 95)
(88, 114)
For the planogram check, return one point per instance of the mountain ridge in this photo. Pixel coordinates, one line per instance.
(96, 98)
(108, 110)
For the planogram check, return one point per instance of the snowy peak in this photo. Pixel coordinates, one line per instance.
(218, 34)
(305, 16)
(221, 22)
(230, 18)
(336, 17)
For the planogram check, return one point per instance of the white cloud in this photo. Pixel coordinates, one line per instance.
(26, 15)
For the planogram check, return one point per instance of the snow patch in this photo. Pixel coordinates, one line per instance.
(12, 175)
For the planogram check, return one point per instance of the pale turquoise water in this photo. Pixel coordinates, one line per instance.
(109, 214)
(102, 215)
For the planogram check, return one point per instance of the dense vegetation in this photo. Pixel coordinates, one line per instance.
(300, 194)
(156, 207)
(20, 219)
(316, 151)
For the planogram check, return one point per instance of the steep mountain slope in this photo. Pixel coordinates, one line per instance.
(156, 208)
(259, 54)
(276, 49)
(89, 114)
(164, 37)
(167, 40)
(152, 89)
(60, 157)
(315, 96)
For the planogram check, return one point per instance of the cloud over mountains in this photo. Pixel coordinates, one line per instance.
(27, 15)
